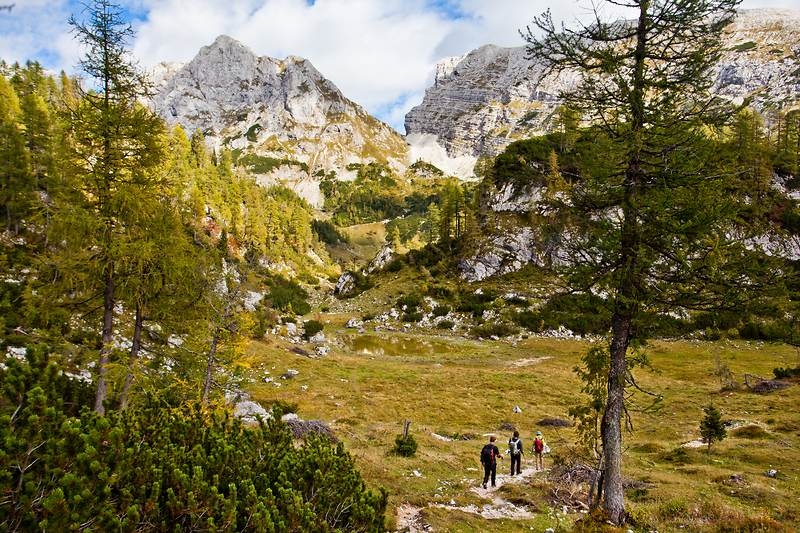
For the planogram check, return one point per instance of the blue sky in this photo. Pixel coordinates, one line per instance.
(380, 53)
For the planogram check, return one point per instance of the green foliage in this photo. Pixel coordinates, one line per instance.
(252, 132)
(411, 316)
(409, 301)
(744, 47)
(494, 329)
(784, 373)
(441, 310)
(311, 328)
(374, 195)
(405, 446)
(711, 427)
(286, 295)
(581, 313)
(328, 232)
(158, 468)
(426, 169)
(445, 324)
(259, 164)
(475, 302)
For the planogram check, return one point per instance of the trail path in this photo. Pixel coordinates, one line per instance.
(409, 518)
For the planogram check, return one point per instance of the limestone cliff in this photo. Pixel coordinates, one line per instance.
(292, 121)
(483, 101)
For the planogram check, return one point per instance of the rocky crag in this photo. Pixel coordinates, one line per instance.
(483, 101)
(285, 121)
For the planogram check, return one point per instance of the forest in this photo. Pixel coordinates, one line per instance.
(132, 251)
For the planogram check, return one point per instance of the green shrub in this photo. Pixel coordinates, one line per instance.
(328, 232)
(409, 301)
(159, 468)
(286, 295)
(411, 317)
(395, 265)
(405, 446)
(311, 328)
(494, 329)
(446, 324)
(784, 373)
(441, 310)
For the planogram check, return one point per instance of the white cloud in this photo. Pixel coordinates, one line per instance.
(380, 53)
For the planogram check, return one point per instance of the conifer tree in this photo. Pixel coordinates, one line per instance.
(15, 179)
(711, 427)
(655, 217)
(115, 150)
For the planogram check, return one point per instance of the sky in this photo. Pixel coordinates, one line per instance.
(380, 53)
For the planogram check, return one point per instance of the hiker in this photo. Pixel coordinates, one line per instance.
(515, 451)
(538, 451)
(489, 454)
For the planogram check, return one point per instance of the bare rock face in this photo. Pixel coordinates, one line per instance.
(291, 120)
(485, 100)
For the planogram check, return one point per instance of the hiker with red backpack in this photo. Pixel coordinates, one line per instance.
(489, 454)
(515, 451)
(539, 448)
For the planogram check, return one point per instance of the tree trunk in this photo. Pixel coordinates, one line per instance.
(136, 345)
(212, 352)
(105, 349)
(611, 425)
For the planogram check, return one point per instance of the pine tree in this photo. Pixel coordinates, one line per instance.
(15, 178)
(656, 216)
(711, 427)
(115, 149)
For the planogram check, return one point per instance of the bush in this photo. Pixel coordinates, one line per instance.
(287, 295)
(395, 265)
(441, 310)
(494, 329)
(446, 324)
(157, 468)
(327, 232)
(409, 301)
(411, 317)
(785, 373)
(311, 328)
(405, 446)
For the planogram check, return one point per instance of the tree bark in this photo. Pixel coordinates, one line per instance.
(107, 339)
(136, 345)
(212, 353)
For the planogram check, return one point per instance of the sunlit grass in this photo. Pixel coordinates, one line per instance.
(456, 386)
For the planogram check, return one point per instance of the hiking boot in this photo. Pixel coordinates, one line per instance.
(484, 485)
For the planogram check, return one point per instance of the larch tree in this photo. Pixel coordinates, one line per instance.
(656, 225)
(115, 151)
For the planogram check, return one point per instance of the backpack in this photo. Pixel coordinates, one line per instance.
(513, 447)
(487, 454)
(538, 445)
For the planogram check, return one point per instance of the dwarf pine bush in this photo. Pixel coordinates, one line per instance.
(161, 468)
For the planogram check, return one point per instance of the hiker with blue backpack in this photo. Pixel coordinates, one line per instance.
(489, 454)
(515, 451)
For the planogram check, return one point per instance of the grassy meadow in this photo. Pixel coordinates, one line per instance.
(464, 389)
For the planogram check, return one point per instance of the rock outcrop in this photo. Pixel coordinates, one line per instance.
(483, 101)
(286, 121)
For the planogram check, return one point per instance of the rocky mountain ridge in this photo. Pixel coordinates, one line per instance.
(291, 121)
(488, 98)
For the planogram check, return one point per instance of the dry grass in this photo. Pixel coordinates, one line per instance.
(453, 386)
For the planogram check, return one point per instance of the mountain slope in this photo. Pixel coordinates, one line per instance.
(488, 98)
(292, 121)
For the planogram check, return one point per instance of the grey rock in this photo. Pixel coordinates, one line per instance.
(282, 109)
(346, 284)
(488, 98)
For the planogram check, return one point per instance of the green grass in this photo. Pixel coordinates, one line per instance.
(369, 384)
